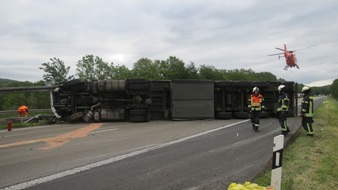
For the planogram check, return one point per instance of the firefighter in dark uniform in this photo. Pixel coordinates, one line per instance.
(307, 111)
(256, 104)
(283, 108)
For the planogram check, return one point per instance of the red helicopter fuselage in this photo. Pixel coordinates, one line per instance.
(290, 58)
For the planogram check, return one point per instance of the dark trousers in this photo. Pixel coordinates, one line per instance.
(307, 125)
(255, 116)
(283, 122)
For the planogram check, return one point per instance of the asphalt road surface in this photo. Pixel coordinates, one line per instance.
(207, 154)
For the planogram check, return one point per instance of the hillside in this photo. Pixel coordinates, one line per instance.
(5, 82)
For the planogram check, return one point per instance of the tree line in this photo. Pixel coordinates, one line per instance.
(92, 67)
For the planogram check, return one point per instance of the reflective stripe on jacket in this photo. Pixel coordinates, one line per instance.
(256, 102)
(307, 106)
(283, 102)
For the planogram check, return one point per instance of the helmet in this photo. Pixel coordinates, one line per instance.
(281, 87)
(255, 89)
(306, 88)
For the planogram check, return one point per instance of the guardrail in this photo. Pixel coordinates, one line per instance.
(26, 89)
(30, 110)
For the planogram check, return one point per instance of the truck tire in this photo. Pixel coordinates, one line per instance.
(137, 84)
(138, 115)
(241, 115)
(71, 83)
(223, 115)
(264, 114)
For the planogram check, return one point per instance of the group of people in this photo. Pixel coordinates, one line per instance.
(256, 105)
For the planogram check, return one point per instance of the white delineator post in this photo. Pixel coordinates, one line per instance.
(276, 174)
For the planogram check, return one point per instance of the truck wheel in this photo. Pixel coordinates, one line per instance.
(71, 83)
(264, 114)
(137, 84)
(241, 115)
(223, 115)
(136, 115)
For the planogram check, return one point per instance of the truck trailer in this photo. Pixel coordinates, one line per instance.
(141, 100)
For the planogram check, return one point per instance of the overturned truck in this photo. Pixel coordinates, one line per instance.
(140, 100)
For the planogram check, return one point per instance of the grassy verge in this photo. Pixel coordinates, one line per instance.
(16, 124)
(311, 163)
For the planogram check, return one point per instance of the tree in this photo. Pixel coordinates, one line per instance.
(334, 89)
(120, 73)
(56, 71)
(209, 72)
(34, 100)
(93, 68)
(172, 68)
(146, 68)
(192, 71)
(265, 76)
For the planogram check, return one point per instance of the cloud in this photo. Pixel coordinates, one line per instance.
(224, 34)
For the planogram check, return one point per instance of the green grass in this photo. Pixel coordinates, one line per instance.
(5, 116)
(311, 163)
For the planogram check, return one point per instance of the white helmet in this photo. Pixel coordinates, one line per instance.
(255, 89)
(281, 87)
(306, 88)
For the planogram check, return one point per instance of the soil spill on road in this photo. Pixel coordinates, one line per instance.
(54, 142)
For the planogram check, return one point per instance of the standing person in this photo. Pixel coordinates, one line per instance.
(256, 104)
(283, 108)
(307, 110)
(23, 110)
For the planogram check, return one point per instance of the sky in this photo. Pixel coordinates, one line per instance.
(225, 34)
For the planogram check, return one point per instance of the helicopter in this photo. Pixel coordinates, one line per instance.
(290, 56)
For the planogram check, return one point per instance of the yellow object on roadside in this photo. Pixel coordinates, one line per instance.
(248, 186)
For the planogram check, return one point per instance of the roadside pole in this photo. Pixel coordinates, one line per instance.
(276, 174)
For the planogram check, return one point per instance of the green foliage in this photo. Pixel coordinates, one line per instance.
(334, 89)
(210, 72)
(120, 72)
(5, 82)
(173, 68)
(34, 100)
(56, 71)
(93, 68)
(192, 71)
(323, 90)
(146, 68)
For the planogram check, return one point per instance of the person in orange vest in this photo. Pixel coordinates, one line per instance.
(23, 111)
(256, 104)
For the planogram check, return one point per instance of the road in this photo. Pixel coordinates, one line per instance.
(206, 154)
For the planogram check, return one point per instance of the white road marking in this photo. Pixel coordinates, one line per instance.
(101, 131)
(111, 160)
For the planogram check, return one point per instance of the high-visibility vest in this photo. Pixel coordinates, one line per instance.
(283, 102)
(307, 106)
(256, 102)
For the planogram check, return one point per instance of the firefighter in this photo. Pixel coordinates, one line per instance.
(23, 111)
(256, 104)
(307, 111)
(282, 109)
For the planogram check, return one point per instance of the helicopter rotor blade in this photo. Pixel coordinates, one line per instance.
(280, 49)
(305, 48)
(275, 54)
